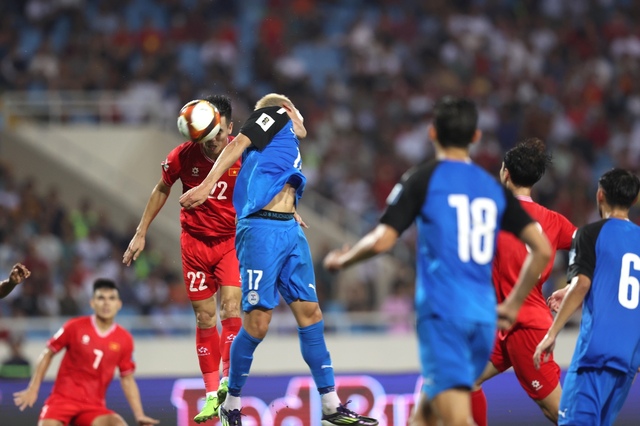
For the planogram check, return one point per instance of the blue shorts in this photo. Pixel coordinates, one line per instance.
(452, 354)
(274, 258)
(593, 396)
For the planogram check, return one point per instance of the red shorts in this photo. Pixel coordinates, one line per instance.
(516, 349)
(207, 265)
(59, 408)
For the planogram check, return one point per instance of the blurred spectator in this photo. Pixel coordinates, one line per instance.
(16, 366)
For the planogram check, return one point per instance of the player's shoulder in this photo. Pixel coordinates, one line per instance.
(184, 150)
(591, 230)
(77, 323)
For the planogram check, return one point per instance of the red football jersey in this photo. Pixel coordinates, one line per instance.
(216, 217)
(88, 365)
(510, 256)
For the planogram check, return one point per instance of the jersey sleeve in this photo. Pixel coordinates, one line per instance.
(514, 219)
(263, 124)
(566, 232)
(582, 257)
(407, 197)
(171, 167)
(61, 339)
(127, 365)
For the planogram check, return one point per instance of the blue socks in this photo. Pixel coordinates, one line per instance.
(241, 358)
(315, 354)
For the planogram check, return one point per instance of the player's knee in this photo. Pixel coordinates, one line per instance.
(205, 319)
(229, 308)
(256, 323)
(109, 420)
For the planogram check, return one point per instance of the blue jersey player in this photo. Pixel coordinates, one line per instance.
(458, 209)
(272, 249)
(604, 272)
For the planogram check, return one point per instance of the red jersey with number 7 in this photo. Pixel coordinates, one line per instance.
(216, 217)
(510, 256)
(91, 358)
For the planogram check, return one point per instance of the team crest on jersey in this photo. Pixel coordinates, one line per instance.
(165, 164)
(114, 346)
(233, 171)
(85, 339)
(253, 298)
(195, 171)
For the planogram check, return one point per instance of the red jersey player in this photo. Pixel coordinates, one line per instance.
(207, 243)
(523, 166)
(95, 346)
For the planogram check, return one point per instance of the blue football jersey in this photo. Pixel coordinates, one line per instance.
(608, 253)
(272, 161)
(459, 209)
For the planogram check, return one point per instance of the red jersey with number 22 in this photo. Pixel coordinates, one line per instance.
(216, 217)
(511, 254)
(91, 358)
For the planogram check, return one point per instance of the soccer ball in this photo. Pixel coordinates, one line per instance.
(199, 121)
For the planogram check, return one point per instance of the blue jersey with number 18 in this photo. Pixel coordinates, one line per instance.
(608, 253)
(459, 209)
(272, 161)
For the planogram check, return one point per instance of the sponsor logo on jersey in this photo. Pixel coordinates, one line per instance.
(253, 297)
(195, 171)
(165, 164)
(85, 339)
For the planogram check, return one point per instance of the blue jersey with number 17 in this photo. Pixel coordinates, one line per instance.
(459, 209)
(271, 161)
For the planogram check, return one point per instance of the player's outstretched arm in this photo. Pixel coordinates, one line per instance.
(533, 266)
(578, 289)
(229, 155)
(18, 274)
(28, 397)
(382, 238)
(132, 393)
(156, 201)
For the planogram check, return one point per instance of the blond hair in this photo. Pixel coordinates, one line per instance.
(272, 99)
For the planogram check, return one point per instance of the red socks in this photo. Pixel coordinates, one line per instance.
(479, 407)
(208, 351)
(230, 329)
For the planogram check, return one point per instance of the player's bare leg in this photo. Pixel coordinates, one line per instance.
(489, 371)
(208, 350)
(551, 404)
(109, 420)
(50, 422)
(453, 407)
(422, 414)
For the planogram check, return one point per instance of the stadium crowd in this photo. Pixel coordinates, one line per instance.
(365, 74)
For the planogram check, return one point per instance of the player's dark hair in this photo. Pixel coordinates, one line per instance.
(527, 162)
(101, 283)
(455, 121)
(223, 103)
(620, 187)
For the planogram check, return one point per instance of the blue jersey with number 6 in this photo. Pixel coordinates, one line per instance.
(459, 209)
(272, 161)
(608, 253)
